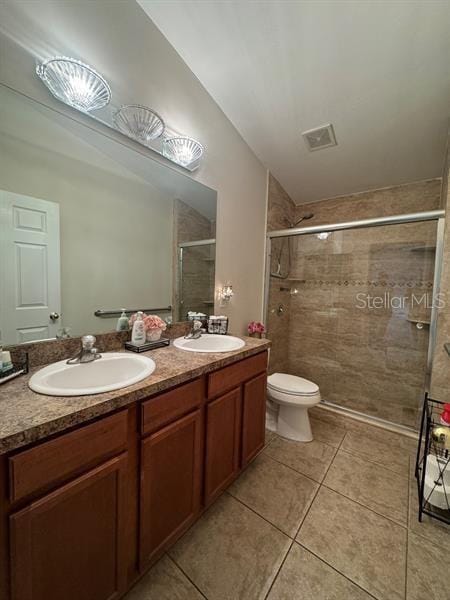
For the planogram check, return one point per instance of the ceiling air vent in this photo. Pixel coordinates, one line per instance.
(320, 137)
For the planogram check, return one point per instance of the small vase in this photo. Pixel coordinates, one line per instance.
(256, 334)
(153, 335)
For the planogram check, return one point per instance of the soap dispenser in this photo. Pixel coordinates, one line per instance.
(122, 322)
(138, 332)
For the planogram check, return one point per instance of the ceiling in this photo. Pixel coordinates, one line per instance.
(379, 71)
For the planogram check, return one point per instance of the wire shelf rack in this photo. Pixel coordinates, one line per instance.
(432, 469)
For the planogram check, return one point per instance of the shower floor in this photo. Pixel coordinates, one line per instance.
(334, 519)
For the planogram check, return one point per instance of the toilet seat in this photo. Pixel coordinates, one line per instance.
(292, 384)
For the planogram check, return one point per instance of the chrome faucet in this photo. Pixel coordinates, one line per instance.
(195, 332)
(88, 352)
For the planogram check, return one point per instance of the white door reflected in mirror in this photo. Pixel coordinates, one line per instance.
(29, 268)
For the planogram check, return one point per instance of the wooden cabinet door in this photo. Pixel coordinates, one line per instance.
(223, 426)
(171, 474)
(69, 544)
(253, 417)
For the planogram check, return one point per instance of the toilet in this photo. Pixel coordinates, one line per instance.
(288, 400)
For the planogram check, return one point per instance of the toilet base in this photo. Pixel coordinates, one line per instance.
(293, 423)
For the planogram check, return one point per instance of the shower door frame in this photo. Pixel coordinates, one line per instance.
(431, 215)
(179, 275)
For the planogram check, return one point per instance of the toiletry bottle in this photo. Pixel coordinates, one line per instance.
(138, 333)
(122, 322)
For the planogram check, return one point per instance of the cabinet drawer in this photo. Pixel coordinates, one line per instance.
(66, 456)
(168, 406)
(230, 377)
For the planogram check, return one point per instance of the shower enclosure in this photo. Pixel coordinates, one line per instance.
(352, 307)
(195, 277)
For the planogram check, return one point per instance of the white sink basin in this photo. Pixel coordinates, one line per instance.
(115, 370)
(209, 343)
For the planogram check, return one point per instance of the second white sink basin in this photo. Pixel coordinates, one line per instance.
(115, 370)
(210, 342)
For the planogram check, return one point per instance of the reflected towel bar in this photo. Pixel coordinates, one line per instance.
(114, 313)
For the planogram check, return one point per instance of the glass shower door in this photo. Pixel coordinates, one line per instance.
(196, 273)
(356, 316)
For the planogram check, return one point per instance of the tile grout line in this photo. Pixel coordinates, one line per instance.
(307, 549)
(322, 560)
(372, 462)
(292, 468)
(290, 545)
(300, 472)
(390, 519)
(325, 486)
(228, 493)
(186, 575)
(301, 522)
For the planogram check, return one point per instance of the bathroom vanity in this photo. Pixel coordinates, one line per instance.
(112, 480)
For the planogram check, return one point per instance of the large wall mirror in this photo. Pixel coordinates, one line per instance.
(89, 225)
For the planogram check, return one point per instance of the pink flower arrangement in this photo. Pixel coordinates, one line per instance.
(256, 327)
(151, 322)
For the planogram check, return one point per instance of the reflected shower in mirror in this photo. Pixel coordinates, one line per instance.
(89, 225)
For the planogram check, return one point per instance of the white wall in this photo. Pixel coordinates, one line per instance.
(126, 47)
(116, 234)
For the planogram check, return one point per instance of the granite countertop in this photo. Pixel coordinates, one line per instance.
(26, 416)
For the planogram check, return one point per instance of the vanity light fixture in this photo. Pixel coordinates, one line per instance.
(182, 150)
(80, 86)
(139, 122)
(74, 83)
(227, 292)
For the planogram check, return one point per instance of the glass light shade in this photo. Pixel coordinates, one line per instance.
(75, 83)
(138, 122)
(182, 150)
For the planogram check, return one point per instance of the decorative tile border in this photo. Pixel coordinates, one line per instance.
(409, 283)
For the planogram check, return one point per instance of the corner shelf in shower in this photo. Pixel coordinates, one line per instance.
(419, 321)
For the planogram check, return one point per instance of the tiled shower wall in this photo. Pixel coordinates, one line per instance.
(194, 291)
(369, 360)
(280, 213)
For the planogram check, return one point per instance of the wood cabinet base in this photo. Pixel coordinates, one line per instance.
(85, 513)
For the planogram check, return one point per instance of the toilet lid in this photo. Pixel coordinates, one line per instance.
(291, 384)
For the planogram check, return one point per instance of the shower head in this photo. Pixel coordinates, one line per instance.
(304, 217)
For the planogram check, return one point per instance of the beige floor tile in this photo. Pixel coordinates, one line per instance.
(164, 581)
(387, 437)
(305, 577)
(276, 492)
(372, 431)
(427, 577)
(231, 553)
(269, 436)
(432, 529)
(394, 458)
(327, 433)
(311, 458)
(374, 486)
(366, 547)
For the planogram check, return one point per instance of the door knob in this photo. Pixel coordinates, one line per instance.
(54, 316)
